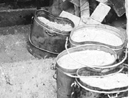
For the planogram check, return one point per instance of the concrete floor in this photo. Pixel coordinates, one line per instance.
(21, 74)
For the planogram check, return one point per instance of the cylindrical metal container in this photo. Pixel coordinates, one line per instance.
(38, 53)
(48, 32)
(70, 60)
(99, 34)
(113, 84)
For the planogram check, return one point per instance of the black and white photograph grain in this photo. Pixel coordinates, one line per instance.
(64, 49)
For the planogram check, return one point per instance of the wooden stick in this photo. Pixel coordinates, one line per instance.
(99, 13)
(84, 9)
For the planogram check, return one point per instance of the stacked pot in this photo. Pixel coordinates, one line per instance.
(92, 66)
(91, 55)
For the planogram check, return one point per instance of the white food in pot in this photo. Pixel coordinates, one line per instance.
(62, 27)
(107, 82)
(99, 35)
(88, 57)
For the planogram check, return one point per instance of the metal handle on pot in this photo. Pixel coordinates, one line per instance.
(50, 34)
(38, 47)
(74, 87)
(66, 44)
(73, 75)
(121, 62)
(126, 51)
(32, 19)
(54, 76)
(113, 96)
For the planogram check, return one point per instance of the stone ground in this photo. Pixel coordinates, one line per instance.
(21, 74)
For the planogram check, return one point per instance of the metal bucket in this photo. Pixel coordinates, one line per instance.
(46, 34)
(99, 34)
(89, 91)
(38, 53)
(66, 74)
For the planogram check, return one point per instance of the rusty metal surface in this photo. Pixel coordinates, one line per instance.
(47, 38)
